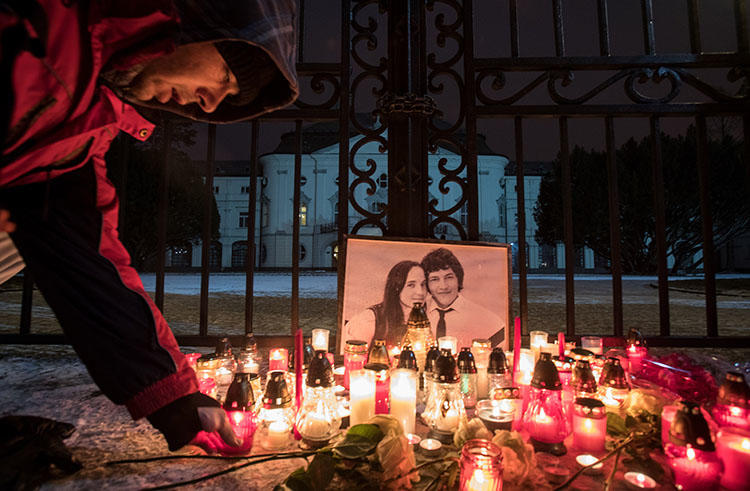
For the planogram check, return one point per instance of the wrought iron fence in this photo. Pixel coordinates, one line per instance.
(414, 66)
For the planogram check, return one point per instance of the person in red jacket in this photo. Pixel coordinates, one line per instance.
(72, 75)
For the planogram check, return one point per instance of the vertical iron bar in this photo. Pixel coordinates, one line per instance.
(567, 198)
(27, 300)
(514, 33)
(746, 156)
(649, 40)
(740, 23)
(251, 201)
(614, 227)
(161, 218)
(694, 27)
(301, 32)
(657, 178)
(206, 239)
(295, 225)
(709, 263)
(343, 201)
(418, 122)
(559, 29)
(604, 43)
(469, 102)
(521, 205)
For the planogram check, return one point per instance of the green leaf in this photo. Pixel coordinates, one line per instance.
(298, 480)
(359, 441)
(616, 426)
(369, 431)
(320, 470)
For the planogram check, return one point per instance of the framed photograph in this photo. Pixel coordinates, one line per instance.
(464, 286)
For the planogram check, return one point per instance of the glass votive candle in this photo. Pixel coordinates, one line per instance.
(482, 349)
(276, 416)
(589, 424)
(403, 403)
(320, 339)
(585, 460)
(636, 355)
(207, 386)
(496, 415)
(481, 466)
(382, 386)
(431, 448)
(361, 396)
(278, 359)
(595, 344)
(694, 469)
(638, 480)
(733, 449)
(448, 342)
(537, 340)
(355, 355)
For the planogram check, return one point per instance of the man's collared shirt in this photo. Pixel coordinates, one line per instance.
(468, 320)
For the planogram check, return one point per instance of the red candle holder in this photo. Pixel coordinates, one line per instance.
(355, 354)
(239, 405)
(733, 403)
(545, 418)
(691, 451)
(382, 386)
(481, 466)
(589, 424)
(278, 359)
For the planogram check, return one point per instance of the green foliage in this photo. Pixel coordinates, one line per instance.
(135, 169)
(359, 441)
(645, 429)
(729, 203)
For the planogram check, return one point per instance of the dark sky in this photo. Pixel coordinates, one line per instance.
(491, 27)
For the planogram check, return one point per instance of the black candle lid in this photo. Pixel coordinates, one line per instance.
(309, 354)
(432, 355)
(223, 347)
(466, 362)
(498, 363)
(249, 343)
(635, 338)
(378, 353)
(582, 378)
(320, 373)
(407, 359)
(545, 374)
(734, 391)
(581, 353)
(445, 367)
(240, 395)
(277, 393)
(613, 375)
(689, 427)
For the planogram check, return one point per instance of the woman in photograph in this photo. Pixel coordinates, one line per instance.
(404, 285)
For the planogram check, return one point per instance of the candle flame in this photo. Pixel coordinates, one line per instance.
(735, 411)
(237, 416)
(542, 417)
(587, 424)
(690, 454)
(746, 444)
(478, 477)
(640, 478)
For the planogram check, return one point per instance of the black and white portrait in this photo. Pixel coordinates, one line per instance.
(465, 288)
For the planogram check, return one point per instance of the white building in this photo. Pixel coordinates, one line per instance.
(319, 203)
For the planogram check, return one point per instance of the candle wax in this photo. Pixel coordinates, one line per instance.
(734, 451)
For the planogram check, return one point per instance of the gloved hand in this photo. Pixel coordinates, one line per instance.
(217, 435)
(199, 420)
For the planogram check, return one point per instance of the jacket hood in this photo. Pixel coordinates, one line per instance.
(267, 25)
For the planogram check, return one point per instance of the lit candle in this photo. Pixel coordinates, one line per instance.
(585, 460)
(637, 480)
(355, 354)
(382, 386)
(361, 396)
(667, 416)
(320, 339)
(278, 435)
(316, 426)
(481, 466)
(537, 340)
(413, 439)
(448, 422)
(695, 470)
(481, 349)
(595, 344)
(496, 414)
(430, 447)
(733, 449)
(278, 359)
(447, 342)
(403, 404)
(636, 354)
(589, 424)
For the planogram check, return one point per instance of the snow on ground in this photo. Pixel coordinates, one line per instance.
(589, 289)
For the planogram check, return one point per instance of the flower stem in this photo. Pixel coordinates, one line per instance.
(614, 451)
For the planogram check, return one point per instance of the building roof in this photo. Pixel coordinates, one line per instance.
(321, 135)
(529, 168)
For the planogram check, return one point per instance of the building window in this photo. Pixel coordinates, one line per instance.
(383, 181)
(216, 189)
(302, 180)
(464, 214)
(245, 190)
(336, 212)
(263, 254)
(263, 215)
(239, 254)
(501, 213)
(181, 257)
(243, 219)
(302, 215)
(302, 252)
(377, 206)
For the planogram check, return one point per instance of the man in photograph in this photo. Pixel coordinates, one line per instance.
(449, 311)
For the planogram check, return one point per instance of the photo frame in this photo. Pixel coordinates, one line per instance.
(476, 300)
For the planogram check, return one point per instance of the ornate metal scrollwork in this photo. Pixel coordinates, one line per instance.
(318, 85)
(409, 103)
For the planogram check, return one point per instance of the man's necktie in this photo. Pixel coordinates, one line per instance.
(440, 332)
